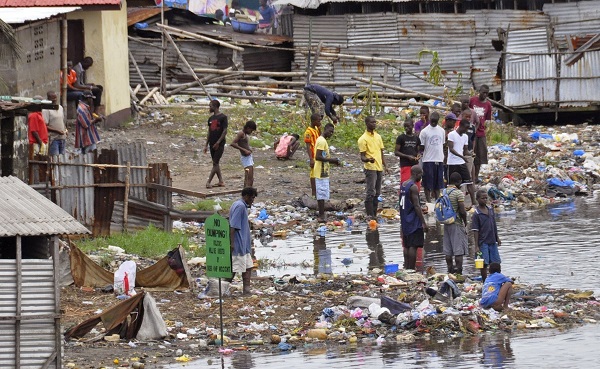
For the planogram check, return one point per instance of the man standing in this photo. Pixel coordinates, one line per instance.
(310, 138)
(412, 222)
(455, 234)
(215, 141)
(371, 147)
(322, 161)
(407, 149)
(37, 131)
(458, 149)
(55, 119)
(432, 140)
(468, 114)
(483, 110)
(97, 90)
(86, 133)
(240, 237)
(321, 100)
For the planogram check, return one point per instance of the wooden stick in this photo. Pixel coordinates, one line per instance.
(126, 197)
(285, 83)
(250, 97)
(398, 88)
(137, 89)
(250, 72)
(168, 36)
(101, 166)
(364, 58)
(198, 37)
(149, 95)
(314, 63)
(135, 64)
(144, 42)
(211, 78)
(254, 88)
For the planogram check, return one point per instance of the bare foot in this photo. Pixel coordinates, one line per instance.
(208, 185)
(220, 184)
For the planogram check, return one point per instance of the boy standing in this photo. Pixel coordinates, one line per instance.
(370, 146)
(424, 121)
(241, 143)
(458, 148)
(407, 149)
(456, 242)
(485, 232)
(496, 290)
(215, 141)
(412, 222)
(432, 143)
(310, 138)
(322, 161)
(483, 110)
(240, 237)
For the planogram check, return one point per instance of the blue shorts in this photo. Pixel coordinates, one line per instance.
(433, 175)
(490, 253)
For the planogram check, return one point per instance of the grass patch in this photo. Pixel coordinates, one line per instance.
(150, 242)
(206, 205)
(500, 133)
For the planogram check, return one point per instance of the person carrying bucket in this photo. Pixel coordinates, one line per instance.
(485, 232)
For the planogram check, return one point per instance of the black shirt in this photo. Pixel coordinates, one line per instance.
(471, 135)
(409, 145)
(216, 125)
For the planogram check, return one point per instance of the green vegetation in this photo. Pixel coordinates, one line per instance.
(206, 205)
(502, 133)
(150, 242)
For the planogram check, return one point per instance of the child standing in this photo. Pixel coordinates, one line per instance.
(485, 232)
(407, 149)
(310, 138)
(241, 143)
(322, 161)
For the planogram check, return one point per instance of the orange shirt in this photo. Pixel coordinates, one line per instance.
(310, 137)
(71, 78)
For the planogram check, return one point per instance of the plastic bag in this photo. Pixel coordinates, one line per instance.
(124, 281)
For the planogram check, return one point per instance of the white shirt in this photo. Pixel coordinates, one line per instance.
(459, 142)
(433, 139)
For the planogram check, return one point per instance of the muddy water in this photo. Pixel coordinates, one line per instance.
(558, 246)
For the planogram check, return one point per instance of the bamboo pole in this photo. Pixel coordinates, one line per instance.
(137, 89)
(398, 88)
(314, 63)
(101, 166)
(205, 79)
(249, 97)
(168, 36)
(254, 88)
(285, 83)
(149, 95)
(250, 72)
(198, 37)
(135, 64)
(363, 58)
(126, 197)
(163, 52)
(143, 42)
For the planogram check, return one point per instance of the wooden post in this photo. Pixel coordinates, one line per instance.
(19, 266)
(150, 93)
(196, 36)
(139, 71)
(57, 331)
(314, 65)
(385, 74)
(126, 197)
(163, 53)
(63, 62)
(168, 36)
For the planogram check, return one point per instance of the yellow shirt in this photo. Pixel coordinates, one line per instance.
(321, 168)
(372, 144)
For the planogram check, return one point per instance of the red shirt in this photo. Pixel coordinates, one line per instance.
(36, 123)
(483, 111)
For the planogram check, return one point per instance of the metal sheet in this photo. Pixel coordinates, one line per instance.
(135, 154)
(79, 202)
(579, 79)
(23, 15)
(25, 212)
(534, 85)
(574, 18)
(484, 58)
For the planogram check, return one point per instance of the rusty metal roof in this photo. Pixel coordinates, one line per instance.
(25, 212)
(135, 15)
(49, 3)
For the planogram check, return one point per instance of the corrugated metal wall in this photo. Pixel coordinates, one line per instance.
(461, 46)
(79, 202)
(135, 154)
(581, 79)
(575, 18)
(37, 335)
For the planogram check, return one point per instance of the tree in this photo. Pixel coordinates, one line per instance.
(10, 49)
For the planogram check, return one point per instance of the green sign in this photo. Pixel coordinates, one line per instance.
(218, 247)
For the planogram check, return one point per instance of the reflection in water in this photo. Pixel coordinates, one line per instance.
(322, 256)
(242, 360)
(376, 259)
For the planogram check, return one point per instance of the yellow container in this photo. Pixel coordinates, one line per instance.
(478, 263)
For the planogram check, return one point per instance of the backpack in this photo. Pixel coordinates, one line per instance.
(444, 212)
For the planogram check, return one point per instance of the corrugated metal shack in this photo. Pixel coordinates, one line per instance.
(145, 46)
(30, 334)
(555, 68)
(463, 43)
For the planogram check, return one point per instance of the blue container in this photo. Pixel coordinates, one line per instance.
(390, 268)
(243, 27)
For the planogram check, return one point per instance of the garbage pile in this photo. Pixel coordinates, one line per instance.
(545, 166)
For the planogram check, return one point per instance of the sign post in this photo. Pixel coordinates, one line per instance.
(218, 254)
